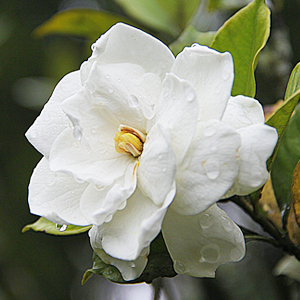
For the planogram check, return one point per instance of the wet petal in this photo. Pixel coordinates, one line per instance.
(199, 244)
(52, 120)
(124, 92)
(126, 44)
(178, 110)
(157, 167)
(209, 168)
(56, 196)
(101, 165)
(133, 229)
(99, 203)
(243, 111)
(258, 142)
(211, 74)
(130, 269)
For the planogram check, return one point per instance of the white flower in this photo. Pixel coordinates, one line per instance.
(137, 142)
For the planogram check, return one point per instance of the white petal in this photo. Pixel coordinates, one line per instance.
(258, 142)
(209, 168)
(130, 269)
(133, 229)
(199, 244)
(156, 172)
(56, 196)
(93, 125)
(243, 111)
(52, 120)
(123, 43)
(99, 203)
(178, 110)
(211, 74)
(114, 87)
(101, 165)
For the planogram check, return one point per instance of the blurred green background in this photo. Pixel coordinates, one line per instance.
(39, 266)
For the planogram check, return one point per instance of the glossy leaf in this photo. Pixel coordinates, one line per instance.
(296, 192)
(244, 35)
(280, 118)
(86, 23)
(190, 36)
(159, 264)
(294, 82)
(286, 159)
(46, 226)
(170, 16)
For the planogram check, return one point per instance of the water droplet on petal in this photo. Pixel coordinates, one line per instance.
(94, 129)
(164, 170)
(61, 228)
(78, 180)
(210, 253)
(107, 76)
(210, 130)
(206, 220)
(179, 267)
(235, 254)
(99, 187)
(77, 133)
(190, 95)
(133, 101)
(108, 218)
(212, 169)
(227, 224)
(110, 90)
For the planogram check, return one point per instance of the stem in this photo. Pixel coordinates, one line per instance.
(281, 238)
(157, 285)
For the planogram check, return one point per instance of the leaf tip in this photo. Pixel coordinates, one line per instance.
(86, 276)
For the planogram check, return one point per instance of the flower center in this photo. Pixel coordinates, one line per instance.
(129, 140)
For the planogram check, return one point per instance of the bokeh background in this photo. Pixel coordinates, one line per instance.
(39, 266)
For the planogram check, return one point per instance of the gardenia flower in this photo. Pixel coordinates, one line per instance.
(137, 142)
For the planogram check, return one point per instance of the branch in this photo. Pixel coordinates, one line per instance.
(281, 238)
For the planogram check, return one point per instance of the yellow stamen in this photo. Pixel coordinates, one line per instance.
(129, 140)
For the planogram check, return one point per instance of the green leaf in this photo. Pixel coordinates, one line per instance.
(244, 35)
(44, 225)
(281, 117)
(86, 23)
(286, 159)
(170, 16)
(159, 264)
(294, 82)
(101, 268)
(190, 36)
